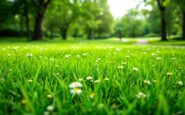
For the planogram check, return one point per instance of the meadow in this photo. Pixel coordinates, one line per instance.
(91, 78)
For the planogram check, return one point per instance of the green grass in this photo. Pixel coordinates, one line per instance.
(36, 75)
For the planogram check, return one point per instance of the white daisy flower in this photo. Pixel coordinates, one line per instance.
(29, 55)
(147, 82)
(89, 78)
(30, 80)
(169, 74)
(180, 83)
(92, 95)
(50, 108)
(49, 96)
(120, 67)
(106, 79)
(135, 69)
(140, 95)
(75, 91)
(75, 85)
(67, 56)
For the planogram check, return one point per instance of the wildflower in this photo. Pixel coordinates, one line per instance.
(67, 56)
(92, 95)
(23, 101)
(75, 88)
(78, 56)
(173, 58)
(75, 85)
(169, 74)
(158, 58)
(46, 113)
(80, 79)
(89, 78)
(29, 55)
(106, 79)
(124, 63)
(118, 49)
(51, 59)
(135, 69)
(9, 55)
(140, 95)
(147, 82)
(49, 96)
(154, 81)
(75, 91)
(153, 54)
(180, 83)
(120, 67)
(97, 81)
(127, 56)
(57, 73)
(30, 80)
(50, 108)
(84, 54)
(98, 59)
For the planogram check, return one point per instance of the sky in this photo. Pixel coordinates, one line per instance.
(119, 7)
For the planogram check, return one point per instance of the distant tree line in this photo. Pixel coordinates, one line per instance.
(90, 19)
(36, 18)
(165, 18)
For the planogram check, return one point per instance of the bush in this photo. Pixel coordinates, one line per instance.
(151, 35)
(9, 33)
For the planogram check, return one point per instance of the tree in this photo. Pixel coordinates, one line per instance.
(106, 21)
(22, 7)
(162, 9)
(95, 17)
(40, 9)
(62, 14)
(118, 29)
(130, 25)
(90, 17)
(153, 21)
(181, 5)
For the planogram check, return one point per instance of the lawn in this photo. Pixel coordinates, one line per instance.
(91, 77)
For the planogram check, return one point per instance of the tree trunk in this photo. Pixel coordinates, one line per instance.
(90, 35)
(27, 20)
(21, 24)
(37, 34)
(183, 25)
(64, 31)
(42, 4)
(162, 9)
(163, 26)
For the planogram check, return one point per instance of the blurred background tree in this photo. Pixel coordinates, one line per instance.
(91, 19)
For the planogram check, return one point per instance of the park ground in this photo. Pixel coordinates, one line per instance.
(131, 76)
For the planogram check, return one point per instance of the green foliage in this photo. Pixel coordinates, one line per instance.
(77, 16)
(130, 25)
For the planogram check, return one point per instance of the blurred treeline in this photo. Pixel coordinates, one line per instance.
(90, 19)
